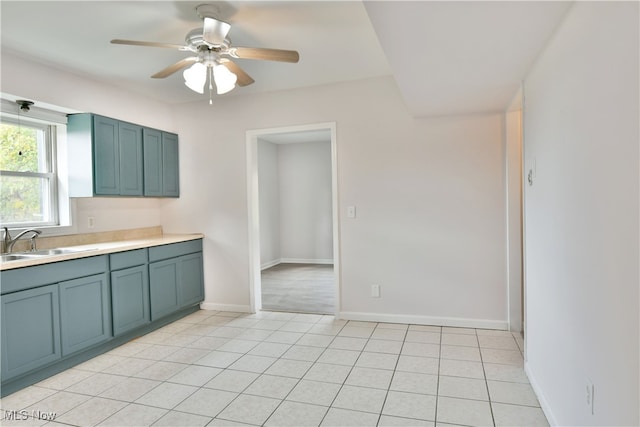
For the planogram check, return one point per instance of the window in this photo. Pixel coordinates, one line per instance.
(28, 182)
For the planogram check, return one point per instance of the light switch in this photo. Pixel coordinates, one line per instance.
(351, 211)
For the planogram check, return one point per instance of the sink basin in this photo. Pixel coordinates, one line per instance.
(39, 254)
(14, 257)
(46, 252)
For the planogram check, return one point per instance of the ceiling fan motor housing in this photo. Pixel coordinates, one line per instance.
(196, 42)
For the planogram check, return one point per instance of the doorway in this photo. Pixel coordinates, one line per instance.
(293, 221)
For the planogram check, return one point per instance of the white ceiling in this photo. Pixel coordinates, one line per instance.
(462, 57)
(446, 57)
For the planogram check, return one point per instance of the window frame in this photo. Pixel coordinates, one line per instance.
(51, 176)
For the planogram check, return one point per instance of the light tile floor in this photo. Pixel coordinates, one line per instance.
(285, 369)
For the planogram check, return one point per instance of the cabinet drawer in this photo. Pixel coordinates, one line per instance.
(121, 260)
(173, 250)
(30, 277)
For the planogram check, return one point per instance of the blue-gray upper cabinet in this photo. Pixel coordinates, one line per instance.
(106, 160)
(131, 160)
(152, 143)
(85, 312)
(30, 330)
(161, 164)
(129, 290)
(113, 148)
(109, 157)
(170, 165)
(118, 157)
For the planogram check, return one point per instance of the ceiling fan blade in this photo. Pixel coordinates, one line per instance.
(264, 54)
(244, 79)
(215, 31)
(175, 67)
(151, 44)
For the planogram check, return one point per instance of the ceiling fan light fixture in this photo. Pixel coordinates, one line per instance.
(195, 77)
(225, 80)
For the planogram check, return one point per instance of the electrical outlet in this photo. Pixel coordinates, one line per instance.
(589, 394)
(375, 291)
(90, 222)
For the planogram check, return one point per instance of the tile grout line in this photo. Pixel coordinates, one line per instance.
(350, 370)
(435, 421)
(486, 383)
(394, 373)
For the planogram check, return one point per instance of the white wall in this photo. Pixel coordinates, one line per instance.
(429, 192)
(429, 196)
(269, 206)
(581, 129)
(116, 213)
(306, 232)
(33, 81)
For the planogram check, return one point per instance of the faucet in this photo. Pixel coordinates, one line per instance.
(8, 242)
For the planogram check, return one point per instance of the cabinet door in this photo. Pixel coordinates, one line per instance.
(85, 317)
(106, 156)
(130, 298)
(152, 142)
(130, 145)
(170, 165)
(163, 283)
(192, 283)
(30, 330)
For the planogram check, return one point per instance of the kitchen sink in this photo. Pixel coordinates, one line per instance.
(46, 252)
(14, 257)
(39, 254)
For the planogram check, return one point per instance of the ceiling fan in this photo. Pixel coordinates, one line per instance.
(211, 47)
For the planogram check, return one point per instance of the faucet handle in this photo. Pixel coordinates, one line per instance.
(6, 238)
(33, 242)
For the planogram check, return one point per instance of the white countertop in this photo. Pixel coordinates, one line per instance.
(93, 249)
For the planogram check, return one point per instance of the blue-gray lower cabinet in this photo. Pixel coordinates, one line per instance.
(130, 298)
(175, 277)
(85, 312)
(58, 314)
(30, 330)
(192, 289)
(164, 279)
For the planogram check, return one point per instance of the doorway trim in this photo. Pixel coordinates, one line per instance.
(255, 281)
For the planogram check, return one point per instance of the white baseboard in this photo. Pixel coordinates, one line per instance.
(425, 320)
(270, 264)
(275, 262)
(544, 404)
(225, 307)
(305, 261)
